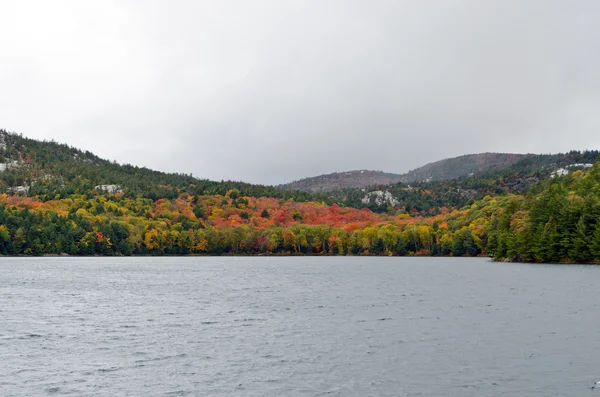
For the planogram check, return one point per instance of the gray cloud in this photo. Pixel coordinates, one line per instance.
(271, 91)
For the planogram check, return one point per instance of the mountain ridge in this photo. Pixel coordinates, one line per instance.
(543, 208)
(48, 168)
(448, 168)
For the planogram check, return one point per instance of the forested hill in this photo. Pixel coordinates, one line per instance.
(440, 170)
(559, 223)
(429, 197)
(51, 170)
(342, 180)
(461, 166)
(60, 200)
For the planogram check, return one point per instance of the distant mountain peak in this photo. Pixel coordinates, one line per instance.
(450, 168)
(342, 180)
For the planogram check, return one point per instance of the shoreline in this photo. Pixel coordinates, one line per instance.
(282, 255)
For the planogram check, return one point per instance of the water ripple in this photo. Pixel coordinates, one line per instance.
(295, 327)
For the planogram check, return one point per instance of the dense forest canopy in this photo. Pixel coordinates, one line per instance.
(49, 169)
(54, 202)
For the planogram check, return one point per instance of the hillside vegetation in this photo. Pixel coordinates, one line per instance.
(342, 180)
(66, 211)
(50, 170)
(427, 198)
(440, 170)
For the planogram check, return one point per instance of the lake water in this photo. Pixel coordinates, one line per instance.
(305, 326)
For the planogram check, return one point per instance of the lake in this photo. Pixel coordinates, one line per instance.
(299, 326)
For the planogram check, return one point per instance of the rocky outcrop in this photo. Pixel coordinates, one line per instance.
(380, 197)
(24, 190)
(109, 188)
(10, 164)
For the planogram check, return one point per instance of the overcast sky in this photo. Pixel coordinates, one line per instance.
(270, 91)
